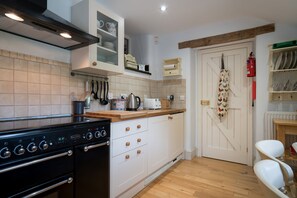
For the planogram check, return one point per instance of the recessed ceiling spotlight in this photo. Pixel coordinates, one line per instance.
(65, 35)
(14, 16)
(163, 8)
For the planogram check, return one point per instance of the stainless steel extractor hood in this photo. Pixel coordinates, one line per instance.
(41, 24)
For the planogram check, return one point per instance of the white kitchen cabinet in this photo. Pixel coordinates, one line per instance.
(176, 135)
(107, 56)
(157, 142)
(128, 154)
(165, 140)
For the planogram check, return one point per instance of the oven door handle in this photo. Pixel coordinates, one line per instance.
(68, 153)
(69, 180)
(86, 148)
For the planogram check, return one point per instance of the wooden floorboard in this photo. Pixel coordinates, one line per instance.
(204, 177)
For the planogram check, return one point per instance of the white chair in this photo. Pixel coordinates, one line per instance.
(274, 150)
(270, 177)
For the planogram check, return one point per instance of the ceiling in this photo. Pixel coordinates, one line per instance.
(145, 17)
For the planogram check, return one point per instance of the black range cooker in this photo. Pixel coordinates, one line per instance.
(61, 157)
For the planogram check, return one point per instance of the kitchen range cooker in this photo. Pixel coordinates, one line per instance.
(61, 157)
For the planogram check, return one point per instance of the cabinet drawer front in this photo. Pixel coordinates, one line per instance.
(122, 145)
(128, 169)
(124, 128)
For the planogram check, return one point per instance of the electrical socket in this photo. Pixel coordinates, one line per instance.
(123, 96)
(110, 96)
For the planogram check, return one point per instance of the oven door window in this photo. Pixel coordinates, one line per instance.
(35, 174)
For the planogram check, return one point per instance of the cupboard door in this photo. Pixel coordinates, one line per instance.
(176, 135)
(157, 143)
(128, 169)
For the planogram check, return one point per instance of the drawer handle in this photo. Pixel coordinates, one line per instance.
(139, 140)
(127, 128)
(127, 157)
(139, 126)
(127, 143)
(138, 152)
(94, 63)
(170, 118)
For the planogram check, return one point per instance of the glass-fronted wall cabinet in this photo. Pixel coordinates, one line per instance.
(283, 74)
(107, 56)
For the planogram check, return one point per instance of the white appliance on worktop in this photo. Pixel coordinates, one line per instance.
(152, 103)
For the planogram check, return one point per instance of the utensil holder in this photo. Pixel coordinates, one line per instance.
(78, 107)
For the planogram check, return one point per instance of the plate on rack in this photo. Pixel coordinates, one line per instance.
(294, 64)
(289, 60)
(284, 61)
(278, 61)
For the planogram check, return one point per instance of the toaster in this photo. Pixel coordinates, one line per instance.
(152, 103)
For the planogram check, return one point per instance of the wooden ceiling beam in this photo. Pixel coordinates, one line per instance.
(228, 37)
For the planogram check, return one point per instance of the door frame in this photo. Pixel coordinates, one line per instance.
(198, 51)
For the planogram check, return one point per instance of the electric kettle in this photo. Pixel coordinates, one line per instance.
(132, 103)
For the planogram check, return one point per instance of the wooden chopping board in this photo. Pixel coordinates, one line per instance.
(119, 114)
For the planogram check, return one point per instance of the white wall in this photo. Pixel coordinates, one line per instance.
(283, 33)
(168, 49)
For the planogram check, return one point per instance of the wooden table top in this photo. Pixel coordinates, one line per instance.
(285, 122)
(117, 116)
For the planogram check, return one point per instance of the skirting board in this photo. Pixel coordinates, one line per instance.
(156, 174)
(190, 155)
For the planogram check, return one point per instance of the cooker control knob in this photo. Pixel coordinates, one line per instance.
(5, 153)
(43, 145)
(103, 133)
(89, 136)
(97, 134)
(19, 150)
(32, 147)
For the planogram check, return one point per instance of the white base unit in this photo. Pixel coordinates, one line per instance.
(141, 150)
(128, 169)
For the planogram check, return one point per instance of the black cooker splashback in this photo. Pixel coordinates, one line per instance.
(42, 25)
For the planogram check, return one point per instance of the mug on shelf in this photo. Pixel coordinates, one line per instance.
(111, 28)
(100, 23)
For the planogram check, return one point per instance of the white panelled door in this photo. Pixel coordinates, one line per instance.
(225, 139)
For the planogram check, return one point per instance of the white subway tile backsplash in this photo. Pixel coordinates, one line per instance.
(6, 74)
(21, 65)
(34, 99)
(21, 111)
(45, 99)
(45, 68)
(20, 87)
(6, 87)
(20, 99)
(33, 88)
(33, 67)
(6, 99)
(6, 62)
(45, 89)
(6, 111)
(45, 110)
(55, 80)
(45, 79)
(34, 111)
(33, 77)
(20, 76)
(55, 89)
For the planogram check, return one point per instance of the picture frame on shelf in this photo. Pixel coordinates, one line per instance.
(126, 46)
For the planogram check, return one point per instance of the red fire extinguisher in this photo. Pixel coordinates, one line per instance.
(251, 65)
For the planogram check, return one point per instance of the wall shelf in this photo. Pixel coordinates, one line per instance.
(136, 70)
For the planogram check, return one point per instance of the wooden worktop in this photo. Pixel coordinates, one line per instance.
(285, 122)
(117, 116)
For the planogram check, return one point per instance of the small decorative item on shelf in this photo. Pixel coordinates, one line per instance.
(141, 67)
(100, 23)
(111, 28)
(130, 61)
